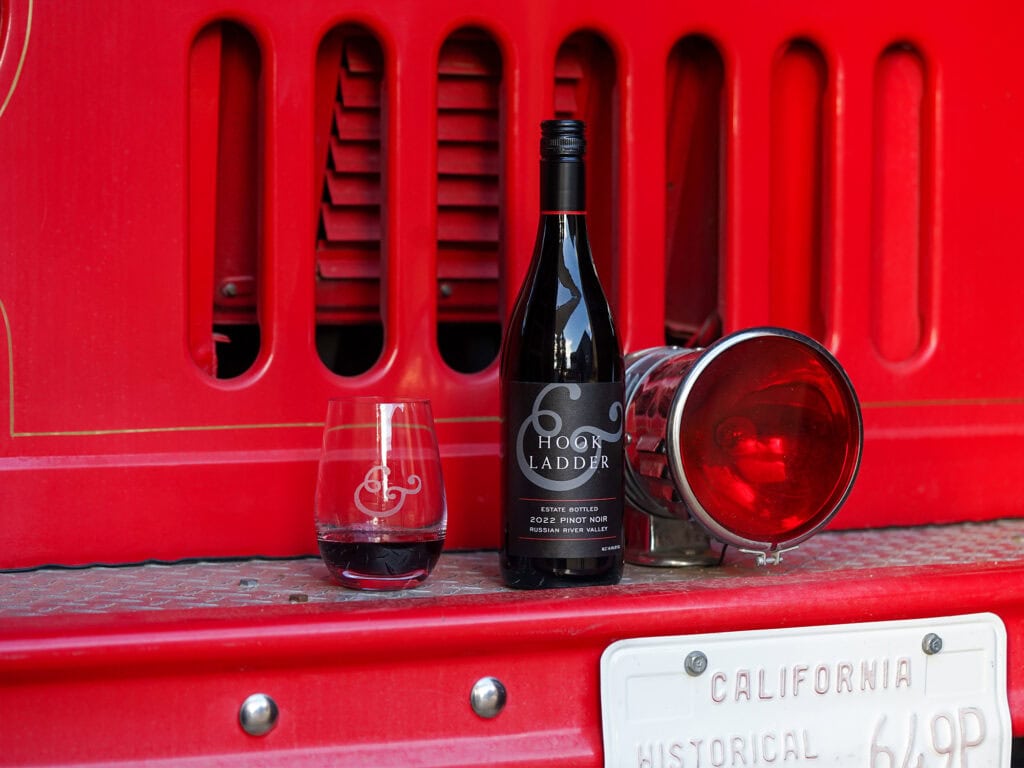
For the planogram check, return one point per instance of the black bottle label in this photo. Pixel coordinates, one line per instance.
(564, 465)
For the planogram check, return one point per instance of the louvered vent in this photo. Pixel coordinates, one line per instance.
(348, 263)
(585, 89)
(469, 76)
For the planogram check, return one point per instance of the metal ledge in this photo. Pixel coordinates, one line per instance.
(239, 584)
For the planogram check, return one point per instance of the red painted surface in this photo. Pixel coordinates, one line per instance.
(388, 683)
(120, 446)
(865, 187)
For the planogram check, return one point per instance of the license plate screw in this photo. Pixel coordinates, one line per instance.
(488, 697)
(696, 663)
(931, 644)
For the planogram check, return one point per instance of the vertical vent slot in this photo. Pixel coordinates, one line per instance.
(349, 126)
(799, 82)
(897, 221)
(225, 190)
(693, 169)
(586, 89)
(469, 199)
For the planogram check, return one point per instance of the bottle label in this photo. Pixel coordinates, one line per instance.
(564, 469)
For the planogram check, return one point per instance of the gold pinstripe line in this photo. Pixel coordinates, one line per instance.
(10, 368)
(21, 61)
(158, 430)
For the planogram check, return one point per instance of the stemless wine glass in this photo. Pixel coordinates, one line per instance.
(380, 507)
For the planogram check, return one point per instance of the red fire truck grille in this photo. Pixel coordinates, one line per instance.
(216, 216)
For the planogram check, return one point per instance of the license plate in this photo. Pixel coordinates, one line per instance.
(927, 693)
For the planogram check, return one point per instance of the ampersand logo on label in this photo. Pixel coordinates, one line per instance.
(376, 487)
(550, 455)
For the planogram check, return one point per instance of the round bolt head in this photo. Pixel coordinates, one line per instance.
(488, 697)
(931, 644)
(696, 664)
(258, 714)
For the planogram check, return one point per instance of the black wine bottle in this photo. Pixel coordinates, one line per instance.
(562, 396)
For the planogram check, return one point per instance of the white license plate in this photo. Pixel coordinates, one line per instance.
(865, 695)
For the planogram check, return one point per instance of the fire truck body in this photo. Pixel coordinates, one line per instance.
(218, 216)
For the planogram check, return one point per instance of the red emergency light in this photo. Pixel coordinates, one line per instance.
(756, 438)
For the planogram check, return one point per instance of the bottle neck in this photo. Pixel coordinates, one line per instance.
(562, 188)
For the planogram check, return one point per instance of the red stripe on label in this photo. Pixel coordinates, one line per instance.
(566, 501)
(541, 538)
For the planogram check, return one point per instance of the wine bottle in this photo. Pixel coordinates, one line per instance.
(562, 379)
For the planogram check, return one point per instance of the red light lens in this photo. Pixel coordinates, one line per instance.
(770, 439)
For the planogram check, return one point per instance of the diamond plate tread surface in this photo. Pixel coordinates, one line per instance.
(261, 582)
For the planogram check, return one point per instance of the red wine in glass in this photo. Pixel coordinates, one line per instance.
(390, 561)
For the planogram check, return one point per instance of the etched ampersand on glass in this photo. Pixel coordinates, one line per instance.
(375, 487)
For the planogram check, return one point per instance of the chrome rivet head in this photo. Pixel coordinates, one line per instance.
(488, 697)
(258, 714)
(931, 644)
(696, 664)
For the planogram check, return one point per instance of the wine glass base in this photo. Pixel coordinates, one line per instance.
(373, 583)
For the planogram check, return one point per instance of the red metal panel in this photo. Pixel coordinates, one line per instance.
(694, 130)
(798, 171)
(118, 448)
(898, 219)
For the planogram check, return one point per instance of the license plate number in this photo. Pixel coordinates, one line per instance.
(927, 693)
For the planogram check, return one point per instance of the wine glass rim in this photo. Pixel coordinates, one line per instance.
(378, 399)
